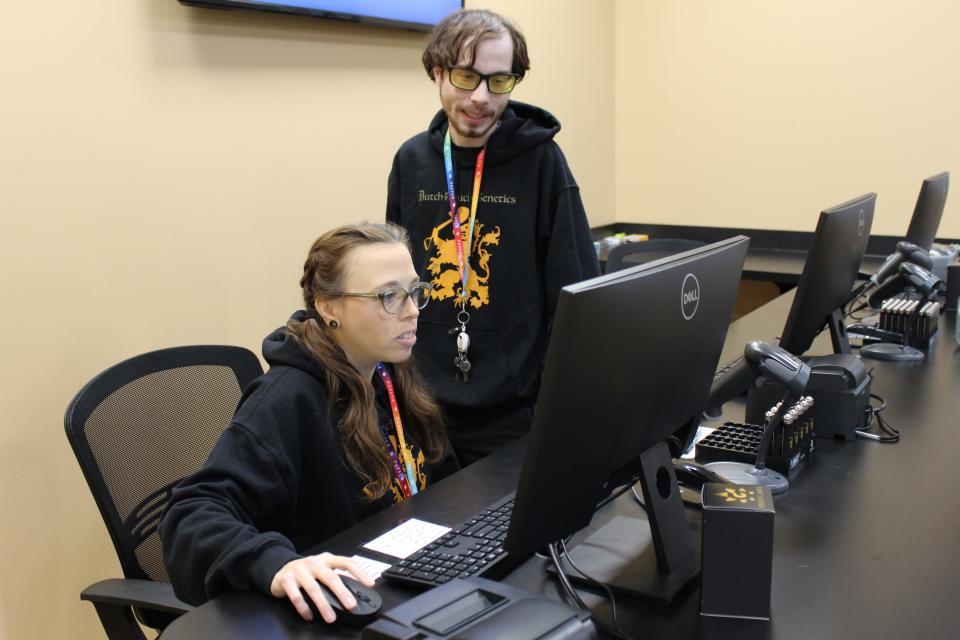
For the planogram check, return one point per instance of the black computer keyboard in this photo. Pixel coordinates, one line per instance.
(723, 369)
(475, 548)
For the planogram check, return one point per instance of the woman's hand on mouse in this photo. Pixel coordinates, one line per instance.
(306, 572)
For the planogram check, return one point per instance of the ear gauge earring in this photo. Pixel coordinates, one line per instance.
(333, 324)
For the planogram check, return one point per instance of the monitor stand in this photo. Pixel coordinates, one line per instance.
(654, 561)
(838, 332)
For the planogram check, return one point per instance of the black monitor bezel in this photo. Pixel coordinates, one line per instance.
(829, 273)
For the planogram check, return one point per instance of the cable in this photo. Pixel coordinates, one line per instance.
(850, 312)
(855, 296)
(616, 631)
(540, 552)
(883, 403)
(847, 308)
(892, 434)
(564, 580)
(613, 496)
(606, 588)
(637, 498)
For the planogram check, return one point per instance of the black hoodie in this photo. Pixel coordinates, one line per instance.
(274, 485)
(531, 238)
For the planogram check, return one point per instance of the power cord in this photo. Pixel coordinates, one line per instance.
(892, 434)
(613, 496)
(615, 630)
(856, 295)
(637, 498)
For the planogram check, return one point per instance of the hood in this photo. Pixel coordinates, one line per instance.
(522, 126)
(282, 349)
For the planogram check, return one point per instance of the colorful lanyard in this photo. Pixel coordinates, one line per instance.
(410, 487)
(463, 256)
(397, 469)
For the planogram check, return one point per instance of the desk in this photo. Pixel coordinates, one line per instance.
(866, 540)
(783, 267)
(774, 256)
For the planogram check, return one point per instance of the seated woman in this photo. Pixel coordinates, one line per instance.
(317, 443)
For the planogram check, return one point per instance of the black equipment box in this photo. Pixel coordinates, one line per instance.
(840, 386)
(737, 551)
(790, 447)
(479, 609)
(911, 316)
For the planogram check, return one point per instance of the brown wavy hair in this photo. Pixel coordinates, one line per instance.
(357, 433)
(462, 31)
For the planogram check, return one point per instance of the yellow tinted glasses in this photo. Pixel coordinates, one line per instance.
(468, 80)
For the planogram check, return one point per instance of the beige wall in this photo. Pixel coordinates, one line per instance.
(760, 113)
(162, 172)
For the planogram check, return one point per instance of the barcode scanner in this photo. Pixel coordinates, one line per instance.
(906, 252)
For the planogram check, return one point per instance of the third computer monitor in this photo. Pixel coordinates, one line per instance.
(929, 210)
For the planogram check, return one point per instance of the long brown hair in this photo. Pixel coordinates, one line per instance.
(357, 433)
(462, 31)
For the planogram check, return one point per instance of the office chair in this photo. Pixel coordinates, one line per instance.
(631, 254)
(137, 429)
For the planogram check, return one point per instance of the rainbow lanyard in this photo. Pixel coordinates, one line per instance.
(463, 256)
(409, 487)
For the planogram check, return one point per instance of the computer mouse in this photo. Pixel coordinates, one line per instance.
(368, 606)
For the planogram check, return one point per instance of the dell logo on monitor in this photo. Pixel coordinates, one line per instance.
(689, 296)
(861, 222)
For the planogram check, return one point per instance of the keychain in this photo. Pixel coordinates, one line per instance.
(463, 344)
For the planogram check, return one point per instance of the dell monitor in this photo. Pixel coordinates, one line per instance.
(926, 215)
(829, 273)
(919, 239)
(629, 363)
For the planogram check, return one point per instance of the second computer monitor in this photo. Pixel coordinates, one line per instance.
(829, 274)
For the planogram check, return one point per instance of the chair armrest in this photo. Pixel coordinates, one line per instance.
(147, 594)
(116, 599)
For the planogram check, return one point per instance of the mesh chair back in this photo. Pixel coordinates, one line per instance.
(633, 253)
(142, 425)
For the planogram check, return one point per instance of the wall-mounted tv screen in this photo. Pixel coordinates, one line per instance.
(415, 15)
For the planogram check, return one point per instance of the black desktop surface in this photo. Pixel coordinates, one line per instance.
(865, 542)
(773, 256)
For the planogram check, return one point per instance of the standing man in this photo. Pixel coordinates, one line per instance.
(497, 226)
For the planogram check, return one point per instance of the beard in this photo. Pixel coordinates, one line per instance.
(465, 130)
(473, 131)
